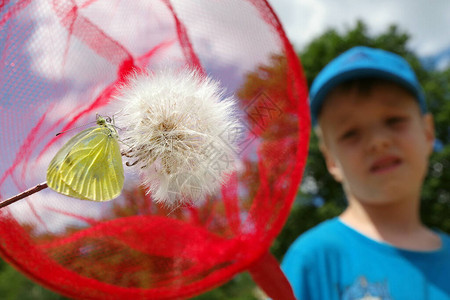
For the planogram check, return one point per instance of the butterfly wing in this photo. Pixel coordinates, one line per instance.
(54, 178)
(92, 168)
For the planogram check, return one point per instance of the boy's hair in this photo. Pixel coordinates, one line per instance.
(359, 63)
(364, 86)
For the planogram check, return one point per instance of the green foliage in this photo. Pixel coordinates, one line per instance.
(240, 287)
(330, 44)
(15, 286)
(436, 190)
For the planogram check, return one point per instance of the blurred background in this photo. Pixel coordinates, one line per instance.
(320, 30)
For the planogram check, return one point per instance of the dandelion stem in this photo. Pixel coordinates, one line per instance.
(24, 194)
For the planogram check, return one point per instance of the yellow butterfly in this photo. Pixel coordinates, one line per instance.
(89, 166)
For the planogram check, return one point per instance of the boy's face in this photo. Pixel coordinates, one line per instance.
(377, 144)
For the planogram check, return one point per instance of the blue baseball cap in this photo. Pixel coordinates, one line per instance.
(361, 62)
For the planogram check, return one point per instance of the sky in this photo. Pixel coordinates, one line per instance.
(427, 22)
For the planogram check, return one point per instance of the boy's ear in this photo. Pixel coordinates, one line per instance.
(428, 122)
(332, 167)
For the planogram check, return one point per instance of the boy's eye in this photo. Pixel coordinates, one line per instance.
(349, 134)
(394, 121)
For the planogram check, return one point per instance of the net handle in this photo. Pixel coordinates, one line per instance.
(266, 272)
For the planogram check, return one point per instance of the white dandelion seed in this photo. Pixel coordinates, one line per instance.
(178, 127)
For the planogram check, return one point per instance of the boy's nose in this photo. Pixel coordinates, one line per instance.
(378, 140)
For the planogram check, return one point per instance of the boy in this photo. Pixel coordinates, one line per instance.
(376, 136)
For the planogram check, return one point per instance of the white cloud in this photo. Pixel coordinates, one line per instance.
(426, 21)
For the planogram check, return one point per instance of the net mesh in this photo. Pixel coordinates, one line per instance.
(60, 63)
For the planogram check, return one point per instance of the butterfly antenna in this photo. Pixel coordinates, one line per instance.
(75, 128)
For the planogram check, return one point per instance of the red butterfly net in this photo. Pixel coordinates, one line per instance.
(60, 64)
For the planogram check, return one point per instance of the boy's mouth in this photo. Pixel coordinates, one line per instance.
(384, 164)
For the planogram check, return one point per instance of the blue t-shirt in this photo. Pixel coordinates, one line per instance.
(333, 261)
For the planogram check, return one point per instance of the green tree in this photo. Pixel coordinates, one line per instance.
(15, 286)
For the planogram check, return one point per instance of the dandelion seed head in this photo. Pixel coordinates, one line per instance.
(174, 123)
